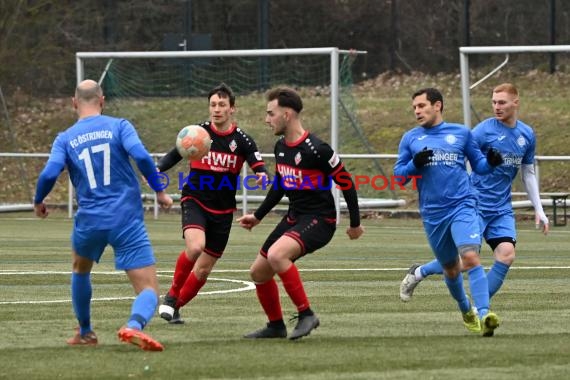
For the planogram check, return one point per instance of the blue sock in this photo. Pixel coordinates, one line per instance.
(143, 309)
(479, 289)
(433, 267)
(496, 276)
(455, 286)
(81, 293)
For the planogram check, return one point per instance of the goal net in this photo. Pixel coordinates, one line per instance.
(162, 92)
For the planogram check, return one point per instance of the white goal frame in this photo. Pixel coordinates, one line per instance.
(464, 66)
(333, 53)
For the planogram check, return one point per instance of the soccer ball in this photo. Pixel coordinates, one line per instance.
(193, 142)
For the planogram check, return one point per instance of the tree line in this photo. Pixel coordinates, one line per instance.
(39, 38)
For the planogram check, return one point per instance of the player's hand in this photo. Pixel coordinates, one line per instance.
(164, 200)
(41, 210)
(494, 157)
(262, 178)
(354, 232)
(541, 220)
(423, 158)
(248, 221)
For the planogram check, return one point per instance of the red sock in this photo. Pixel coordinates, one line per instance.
(294, 287)
(268, 295)
(183, 268)
(191, 287)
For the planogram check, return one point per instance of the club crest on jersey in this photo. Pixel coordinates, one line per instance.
(297, 158)
(450, 139)
(334, 160)
(521, 141)
(233, 145)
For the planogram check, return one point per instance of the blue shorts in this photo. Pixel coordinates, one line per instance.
(461, 227)
(130, 243)
(498, 224)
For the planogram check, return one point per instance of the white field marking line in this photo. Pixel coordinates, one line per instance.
(160, 272)
(248, 286)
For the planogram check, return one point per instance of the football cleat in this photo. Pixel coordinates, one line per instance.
(305, 325)
(88, 339)
(489, 323)
(167, 310)
(408, 284)
(176, 319)
(268, 332)
(138, 338)
(471, 321)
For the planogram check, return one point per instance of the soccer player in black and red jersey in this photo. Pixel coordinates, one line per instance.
(305, 166)
(208, 199)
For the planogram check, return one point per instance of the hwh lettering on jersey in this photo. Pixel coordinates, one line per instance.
(219, 162)
(296, 179)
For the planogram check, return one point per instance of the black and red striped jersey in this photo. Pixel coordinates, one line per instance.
(213, 180)
(304, 170)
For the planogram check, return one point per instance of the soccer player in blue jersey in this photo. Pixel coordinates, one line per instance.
(96, 151)
(437, 150)
(516, 142)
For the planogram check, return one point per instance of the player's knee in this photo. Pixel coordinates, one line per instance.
(452, 270)
(469, 255)
(81, 264)
(260, 275)
(193, 250)
(505, 253)
(202, 272)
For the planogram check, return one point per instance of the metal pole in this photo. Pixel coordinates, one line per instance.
(552, 35)
(334, 118)
(263, 20)
(464, 66)
(466, 22)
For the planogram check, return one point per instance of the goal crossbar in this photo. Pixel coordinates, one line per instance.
(332, 52)
(464, 52)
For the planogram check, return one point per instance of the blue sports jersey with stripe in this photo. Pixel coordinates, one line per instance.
(517, 146)
(96, 152)
(444, 184)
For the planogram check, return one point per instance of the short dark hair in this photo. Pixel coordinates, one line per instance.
(432, 95)
(286, 97)
(223, 91)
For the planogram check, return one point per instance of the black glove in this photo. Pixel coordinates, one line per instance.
(494, 157)
(423, 158)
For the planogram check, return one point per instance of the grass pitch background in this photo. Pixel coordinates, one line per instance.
(366, 332)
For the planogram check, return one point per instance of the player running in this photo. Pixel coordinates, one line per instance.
(437, 150)
(516, 142)
(96, 152)
(304, 168)
(208, 200)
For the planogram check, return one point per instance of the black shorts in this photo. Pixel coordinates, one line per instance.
(311, 232)
(216, 226)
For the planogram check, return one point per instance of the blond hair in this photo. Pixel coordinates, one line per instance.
(509, 88)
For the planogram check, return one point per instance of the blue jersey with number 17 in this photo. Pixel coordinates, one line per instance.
(517, 146)
(95, 151)
(444, 184)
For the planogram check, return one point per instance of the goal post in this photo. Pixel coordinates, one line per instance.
(466, 86)
(332, 52)
(465, 51)
(202, 72)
